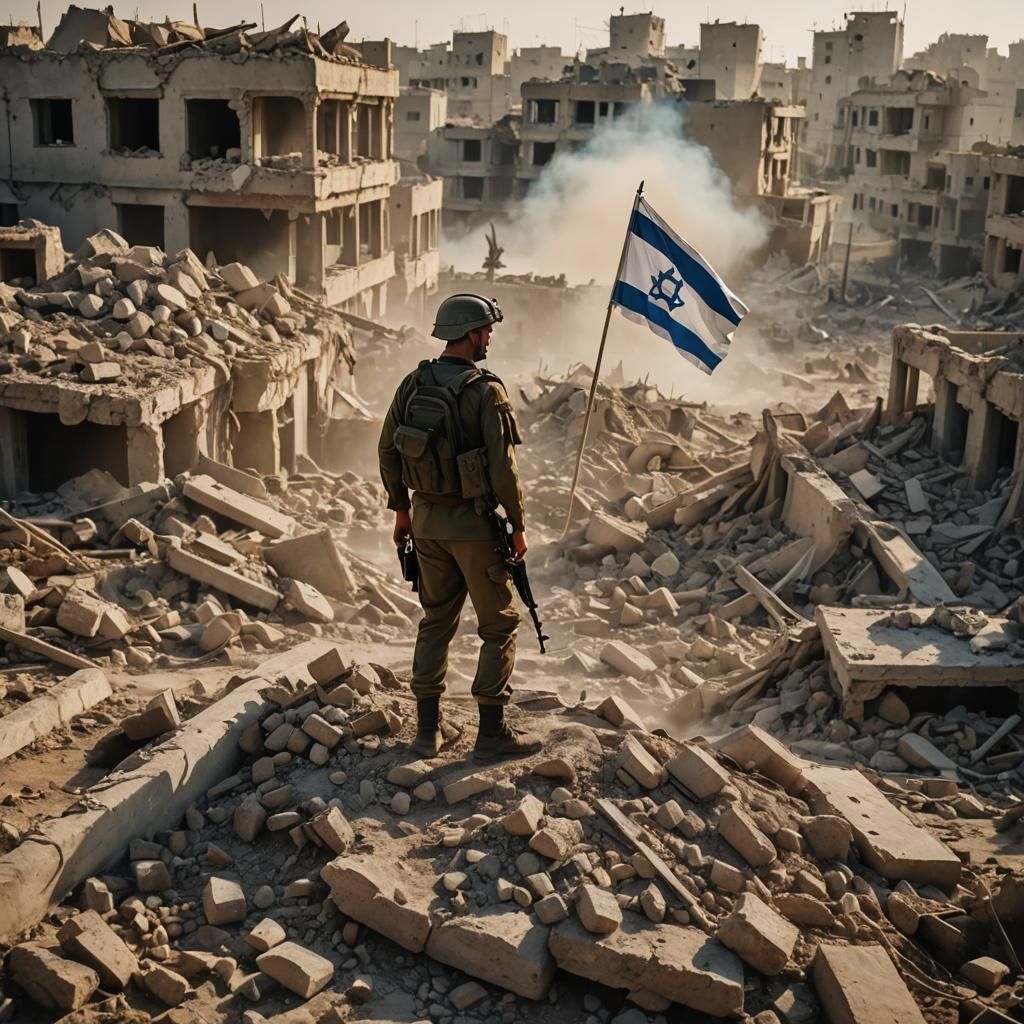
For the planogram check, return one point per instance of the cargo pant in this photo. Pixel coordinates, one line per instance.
(449, 569)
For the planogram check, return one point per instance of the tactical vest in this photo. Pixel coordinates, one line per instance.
(431, 440)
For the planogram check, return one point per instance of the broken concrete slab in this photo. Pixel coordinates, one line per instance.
(398, 908)
(868, 653)
(500, 946)
(313, 558)
(240, 508)
(888, 841)
(57, 707)
(860, 985)
(680, 964)
(248, 591)
(627, 659)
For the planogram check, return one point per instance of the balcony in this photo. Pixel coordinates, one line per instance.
(343, 283)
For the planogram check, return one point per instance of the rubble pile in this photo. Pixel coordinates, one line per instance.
(133, 315)
(733, 879)
(156, 573)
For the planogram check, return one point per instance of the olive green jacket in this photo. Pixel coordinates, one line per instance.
(487, 422)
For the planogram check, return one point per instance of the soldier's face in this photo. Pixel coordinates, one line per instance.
(481, 340)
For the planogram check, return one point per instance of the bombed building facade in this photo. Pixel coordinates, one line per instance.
(271, 147)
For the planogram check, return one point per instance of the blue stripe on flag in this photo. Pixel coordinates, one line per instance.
(682, 337)
(691, 271)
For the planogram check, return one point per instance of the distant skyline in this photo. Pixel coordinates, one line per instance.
(573, 23)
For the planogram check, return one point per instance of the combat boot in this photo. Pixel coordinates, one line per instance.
(429, 739)
(496, 739)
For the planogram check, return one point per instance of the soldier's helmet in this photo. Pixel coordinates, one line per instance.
(465, 312)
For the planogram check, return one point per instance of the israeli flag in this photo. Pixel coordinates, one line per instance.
(668, 285)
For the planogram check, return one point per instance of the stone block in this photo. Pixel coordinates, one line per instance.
(639, 764)
(697, 771)
(469, 786)
(88, 939)
(238, 277)
(500, 946)
(160, 716)
(759, 935)
(619, 534)
(151, 875)
(51, 981)
(378, 895)
(165, 985)
(308, 601)
(828, 835)
(627, 660)
(557, 838)
(322, 731)
(551, 909)
(250, 818)
(598, 909)
(619, 712)
(525, 819)
(267, 934)
(223, 902)
(334, 829)
(804, 910)
(752, 747)
(679, 964)
(985, 973)
(860, 985)
(922, 753)
(737, 828)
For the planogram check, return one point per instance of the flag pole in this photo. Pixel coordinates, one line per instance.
(597, 366)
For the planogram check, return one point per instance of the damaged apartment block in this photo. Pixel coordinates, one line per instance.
(268, 148)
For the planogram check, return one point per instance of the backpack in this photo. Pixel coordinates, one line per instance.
(431, 441)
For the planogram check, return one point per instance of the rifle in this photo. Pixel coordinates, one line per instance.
(517, 569)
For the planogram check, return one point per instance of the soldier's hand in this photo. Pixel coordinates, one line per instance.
(403, 527)
(519, 544)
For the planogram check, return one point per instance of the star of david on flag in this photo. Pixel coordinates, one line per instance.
(668, 285)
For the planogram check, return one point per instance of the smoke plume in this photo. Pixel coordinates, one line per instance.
(573, 220)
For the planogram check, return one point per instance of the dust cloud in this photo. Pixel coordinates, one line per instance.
(573, 223)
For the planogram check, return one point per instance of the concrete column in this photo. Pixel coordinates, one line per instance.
(913, 383)
(309, 149)
(257, 444)
(944, 420)
(981, 452)
(176, 233)
(13, 453)
(897, 387)
(145, 454)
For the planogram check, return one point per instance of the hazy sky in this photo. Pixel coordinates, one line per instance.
(571, 23)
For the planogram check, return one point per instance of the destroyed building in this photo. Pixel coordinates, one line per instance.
(139, 363)
(273, 148)
(893, 135)
(478, 166)
(1004, 223)
(730, 56)
(869, 45)
(472, 71)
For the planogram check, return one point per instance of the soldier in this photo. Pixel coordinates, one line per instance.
(449, 437)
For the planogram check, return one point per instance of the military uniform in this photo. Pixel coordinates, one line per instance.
(455, 545)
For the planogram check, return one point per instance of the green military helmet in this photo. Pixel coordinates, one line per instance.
(462, 313)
